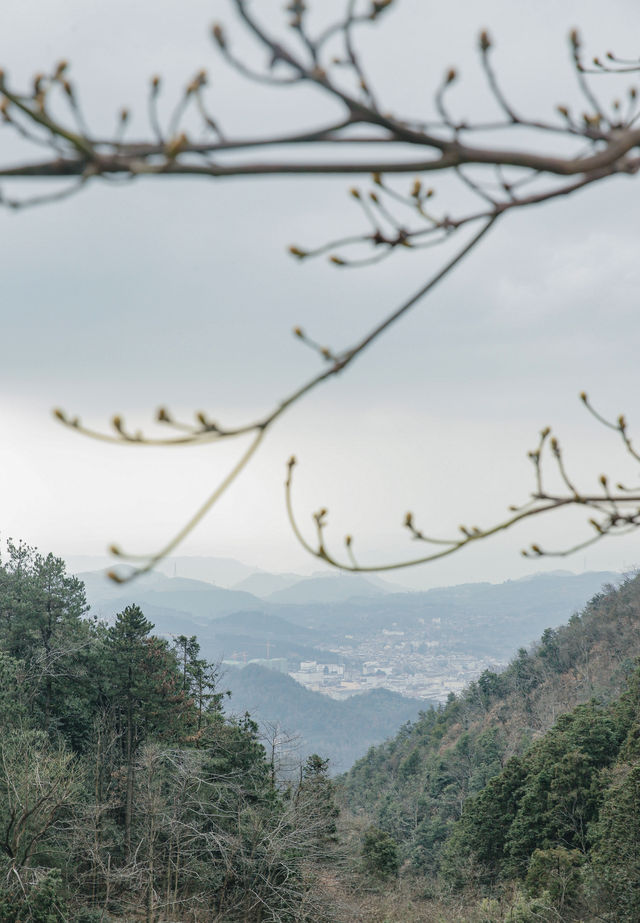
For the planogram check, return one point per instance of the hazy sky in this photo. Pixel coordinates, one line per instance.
(181, 293)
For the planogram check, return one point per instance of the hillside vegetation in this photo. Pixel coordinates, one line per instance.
(340, 730)
(127, 793)
(523, 793)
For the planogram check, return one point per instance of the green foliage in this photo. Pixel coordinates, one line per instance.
(556, 873)
(616, 837)
(38, 898)
(123, 788)
(380, 853)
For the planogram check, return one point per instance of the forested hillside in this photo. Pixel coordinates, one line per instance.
(528, 783)
(340, 730)
(124, 791)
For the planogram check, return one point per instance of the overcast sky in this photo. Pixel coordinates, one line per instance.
(181, 293)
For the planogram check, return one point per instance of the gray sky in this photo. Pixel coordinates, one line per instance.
(181, 293)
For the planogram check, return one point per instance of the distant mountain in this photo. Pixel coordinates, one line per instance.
(482, 619)
(224, 572)
(196, 599)
(479, 618)
(343, 731)
(263, 584)
(328, 588)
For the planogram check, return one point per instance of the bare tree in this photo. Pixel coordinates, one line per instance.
(547, 159)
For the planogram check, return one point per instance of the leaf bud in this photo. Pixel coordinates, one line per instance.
(603, 480)
(545, 432)
(292, 461)
(162, 415)
(112, 575)
(116, 422)
(564, 112)
(347, 540)
(354, 192)
(115, 550)
(377, 179)
(583, 397)
(60, 415)
(61, 67)
(633, 92)
(198, 81)
(297, 251)
(485, 41)
(408, 520)
(416, 189)
(155, 83)
(450, 75)
(536, 549)
(574, 38)
(66, 86)
(298, 332)
(218, 35)
(622, 423)
(176, 144)
(337, 261)
(124, 115)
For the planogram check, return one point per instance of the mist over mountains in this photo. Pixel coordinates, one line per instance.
(402, 651)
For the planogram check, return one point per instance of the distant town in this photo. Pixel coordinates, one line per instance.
(398, 660)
